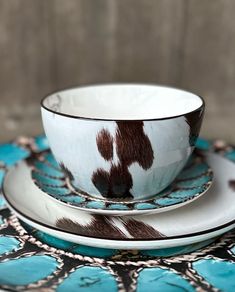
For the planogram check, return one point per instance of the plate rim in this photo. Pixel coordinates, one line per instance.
(167, 238)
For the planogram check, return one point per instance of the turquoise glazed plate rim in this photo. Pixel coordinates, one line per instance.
(193, 181)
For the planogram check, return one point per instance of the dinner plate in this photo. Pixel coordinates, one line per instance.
(209, 216)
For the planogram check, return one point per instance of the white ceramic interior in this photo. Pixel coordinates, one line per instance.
(145, 133)
(124, 102)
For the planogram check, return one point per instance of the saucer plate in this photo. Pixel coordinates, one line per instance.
(191, 183)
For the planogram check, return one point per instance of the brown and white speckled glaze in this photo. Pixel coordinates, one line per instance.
(132, 146)
(131, 157)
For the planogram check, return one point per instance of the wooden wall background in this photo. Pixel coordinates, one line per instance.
(47, 45)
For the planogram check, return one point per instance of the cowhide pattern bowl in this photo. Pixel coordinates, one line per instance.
(122, 141)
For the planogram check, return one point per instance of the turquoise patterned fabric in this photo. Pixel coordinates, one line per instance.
(217, 272)
(26, 270)
(160, 279)
(89, 278)
(8, 243)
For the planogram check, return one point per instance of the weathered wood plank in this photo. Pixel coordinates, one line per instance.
(149, 35)
(47, 45)
(209, 59)
(27, 68)
(110, 40)
(85, 41)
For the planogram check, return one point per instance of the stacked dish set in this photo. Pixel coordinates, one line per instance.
(122, 171)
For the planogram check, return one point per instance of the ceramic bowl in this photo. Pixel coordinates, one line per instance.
(123, 141)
